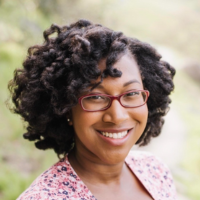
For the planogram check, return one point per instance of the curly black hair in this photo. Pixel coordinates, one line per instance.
(56, 72)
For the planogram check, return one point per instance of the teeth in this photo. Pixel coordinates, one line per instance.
(115, 135)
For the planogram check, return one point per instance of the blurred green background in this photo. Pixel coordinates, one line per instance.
(171, 26)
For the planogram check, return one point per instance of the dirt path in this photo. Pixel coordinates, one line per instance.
(169, 145)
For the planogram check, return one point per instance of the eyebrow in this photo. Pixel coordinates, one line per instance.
(124, 85)
(130, 82)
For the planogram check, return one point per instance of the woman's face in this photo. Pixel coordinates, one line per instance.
(88, 126)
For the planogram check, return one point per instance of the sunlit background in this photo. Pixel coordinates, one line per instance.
(172, 26)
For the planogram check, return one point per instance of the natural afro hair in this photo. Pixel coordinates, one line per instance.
(56, 72)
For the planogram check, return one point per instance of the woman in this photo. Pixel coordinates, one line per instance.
(91, 93)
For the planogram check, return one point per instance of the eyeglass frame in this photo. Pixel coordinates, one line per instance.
(117, 97)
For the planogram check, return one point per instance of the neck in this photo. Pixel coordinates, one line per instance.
(92, 170)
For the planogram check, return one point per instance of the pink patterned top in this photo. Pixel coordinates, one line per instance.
(61, 182)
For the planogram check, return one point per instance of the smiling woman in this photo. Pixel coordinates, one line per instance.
(112, 118)
(92, 93)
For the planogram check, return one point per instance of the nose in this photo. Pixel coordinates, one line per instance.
(116, 114)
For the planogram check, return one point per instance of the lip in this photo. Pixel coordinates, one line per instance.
(112, 141)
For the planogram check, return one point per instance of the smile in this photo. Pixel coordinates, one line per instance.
(118, 135)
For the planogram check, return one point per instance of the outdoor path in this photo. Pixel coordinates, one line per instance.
(169, 145)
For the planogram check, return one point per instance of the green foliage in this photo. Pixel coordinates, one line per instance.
(186, 99)
(19, 170)
(10, 184)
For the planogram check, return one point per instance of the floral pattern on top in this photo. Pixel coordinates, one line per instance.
(60, 182)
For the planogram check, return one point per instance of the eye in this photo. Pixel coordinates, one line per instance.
(130, 94)
(95, 98)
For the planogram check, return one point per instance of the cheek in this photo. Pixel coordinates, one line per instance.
(140, 114)
(144, 112)
(83, 120)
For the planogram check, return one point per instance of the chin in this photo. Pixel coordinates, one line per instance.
(114, 156)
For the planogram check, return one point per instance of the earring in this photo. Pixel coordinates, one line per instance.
(69, 121)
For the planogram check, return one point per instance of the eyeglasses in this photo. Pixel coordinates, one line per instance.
(100, 102)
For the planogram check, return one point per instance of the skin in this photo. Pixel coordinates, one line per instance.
(98, 163)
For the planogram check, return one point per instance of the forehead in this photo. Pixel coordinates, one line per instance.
(130, 75)
(127, 64)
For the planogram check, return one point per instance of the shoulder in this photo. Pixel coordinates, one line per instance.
(152, 172)
(142, 161)
(44, 185)
(145, 159)
(58, 182)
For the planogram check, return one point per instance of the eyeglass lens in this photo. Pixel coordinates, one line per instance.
(99, 102)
